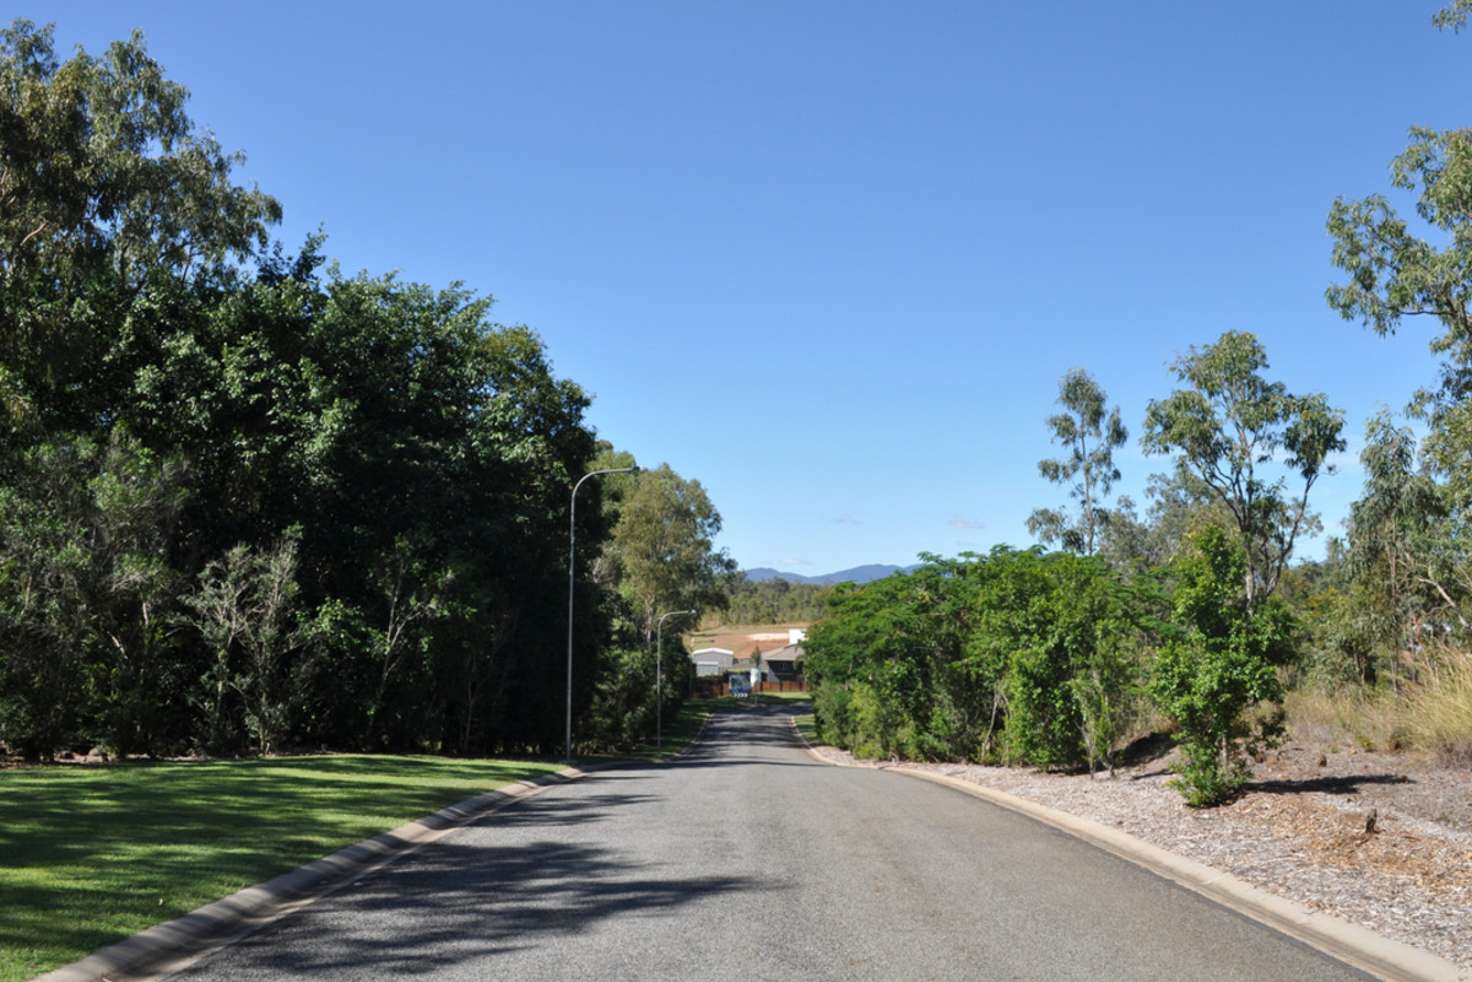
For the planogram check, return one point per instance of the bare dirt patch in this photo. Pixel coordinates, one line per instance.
(741, 639)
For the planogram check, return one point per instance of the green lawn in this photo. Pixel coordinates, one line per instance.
(807, 726)
(90, 855)
(728, 703)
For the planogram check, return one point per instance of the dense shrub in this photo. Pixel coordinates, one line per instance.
(1220, 661)
(1023, 653)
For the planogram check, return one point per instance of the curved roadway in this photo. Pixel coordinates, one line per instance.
(746, 859)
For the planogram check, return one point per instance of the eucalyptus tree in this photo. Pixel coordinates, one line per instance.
(1454, 15)
(1405, 557)
(1408, 550)
(1393, 273)
(1242, 437)
(664, 546)
(1090, 432)
(109, 199)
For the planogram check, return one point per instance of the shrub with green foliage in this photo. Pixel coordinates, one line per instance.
(1021, 653)
(1220, 661)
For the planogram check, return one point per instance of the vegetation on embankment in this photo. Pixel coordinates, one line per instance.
(1198, 612)
(96, 853)
(1431, 711)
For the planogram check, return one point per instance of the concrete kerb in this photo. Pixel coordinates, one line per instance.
(1350, 943)
(171, 946)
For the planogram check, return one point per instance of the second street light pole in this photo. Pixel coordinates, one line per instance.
(572, 538)
(659, 675)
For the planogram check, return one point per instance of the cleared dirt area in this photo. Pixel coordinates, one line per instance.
(742, 638)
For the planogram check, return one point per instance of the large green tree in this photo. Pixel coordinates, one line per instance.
(152, 341)
(1408, 548)
(109, 196)
(664, 546)
(1235, 433)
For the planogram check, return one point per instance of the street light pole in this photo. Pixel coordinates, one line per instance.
(572, 538)
(659, 675)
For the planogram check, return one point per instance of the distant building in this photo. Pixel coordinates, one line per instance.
(782, 664)
(712, 661)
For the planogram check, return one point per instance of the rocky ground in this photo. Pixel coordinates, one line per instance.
(1299, 831)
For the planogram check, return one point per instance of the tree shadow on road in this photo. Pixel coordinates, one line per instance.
(453, 903)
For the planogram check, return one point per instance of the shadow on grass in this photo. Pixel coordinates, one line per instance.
(95, 854)
(92, 855)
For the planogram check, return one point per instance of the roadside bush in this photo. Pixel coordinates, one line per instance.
(1220, 662)
(874, 734)
(1065, 621)
(1107, 690)
(833, 713)
(622, 715)
(1028, 652)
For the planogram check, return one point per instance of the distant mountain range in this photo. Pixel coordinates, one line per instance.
(859, 574)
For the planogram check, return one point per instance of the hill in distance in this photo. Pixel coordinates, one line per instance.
(858, 574)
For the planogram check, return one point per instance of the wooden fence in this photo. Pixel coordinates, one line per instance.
(710, 686)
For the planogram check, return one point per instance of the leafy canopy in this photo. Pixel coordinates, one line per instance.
(1234, 432)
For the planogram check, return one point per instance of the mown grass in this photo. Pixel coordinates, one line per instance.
(90, 855)
(807, 725)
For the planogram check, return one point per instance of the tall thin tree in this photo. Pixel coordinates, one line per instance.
(1089, 431)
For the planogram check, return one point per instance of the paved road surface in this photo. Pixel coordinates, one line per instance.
(748, 860)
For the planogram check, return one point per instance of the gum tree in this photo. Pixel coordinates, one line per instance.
(1089, 432)
(1243, 438)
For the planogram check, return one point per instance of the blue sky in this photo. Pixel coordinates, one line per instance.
(832, 258)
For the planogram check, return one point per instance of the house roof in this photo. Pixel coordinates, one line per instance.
(712, 651)
(793, 652)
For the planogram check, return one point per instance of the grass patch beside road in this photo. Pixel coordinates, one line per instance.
(808, 727)
(726, 704)
(678, 733)
(94, 854)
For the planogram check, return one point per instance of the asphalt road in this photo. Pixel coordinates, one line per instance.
(748, 860)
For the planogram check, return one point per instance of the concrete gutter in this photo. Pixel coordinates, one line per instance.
(1354, 945)
(174, 945)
